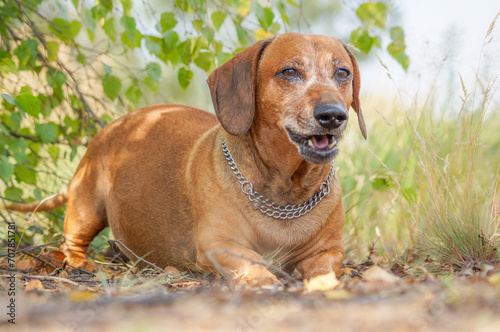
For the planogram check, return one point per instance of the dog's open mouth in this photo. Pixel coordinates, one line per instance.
(321, 142)
(316, 149)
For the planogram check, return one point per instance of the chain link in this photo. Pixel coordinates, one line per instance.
(265, 205)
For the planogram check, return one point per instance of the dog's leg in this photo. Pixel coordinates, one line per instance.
(83, 221)
(237, 262)
(322, 263)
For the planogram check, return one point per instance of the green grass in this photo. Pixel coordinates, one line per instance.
(425, 180)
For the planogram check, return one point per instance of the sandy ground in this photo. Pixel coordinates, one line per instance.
(425, 304)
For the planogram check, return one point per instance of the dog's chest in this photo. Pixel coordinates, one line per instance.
(272, 234)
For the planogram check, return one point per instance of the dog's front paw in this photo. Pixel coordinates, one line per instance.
(258, 278)
(349, 272)
(77, 260)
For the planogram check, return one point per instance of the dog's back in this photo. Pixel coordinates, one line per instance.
(122, 182)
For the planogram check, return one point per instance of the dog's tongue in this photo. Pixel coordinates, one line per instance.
(320, 141)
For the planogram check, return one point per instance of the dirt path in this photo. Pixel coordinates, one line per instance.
(157, 304)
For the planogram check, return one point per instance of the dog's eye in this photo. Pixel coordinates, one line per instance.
(342, 74)
(290, 72)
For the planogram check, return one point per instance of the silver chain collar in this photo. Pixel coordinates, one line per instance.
(265, 205)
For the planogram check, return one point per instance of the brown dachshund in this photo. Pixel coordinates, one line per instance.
(175, 183)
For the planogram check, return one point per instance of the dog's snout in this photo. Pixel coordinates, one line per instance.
(330, 115)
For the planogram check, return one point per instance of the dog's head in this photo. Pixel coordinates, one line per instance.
(300, 85)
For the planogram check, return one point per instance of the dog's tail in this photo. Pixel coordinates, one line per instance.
(46, 204)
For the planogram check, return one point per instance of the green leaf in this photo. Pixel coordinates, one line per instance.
(184, 76)
(169, 41)
(293, 3)
(264, 15)
(204, 60)
(397, 34)
(56, 78)
(151, 84)
(65, 30)
(153, 44)
(218, 18)
(23, 54)
(198, 25)
(20, 157)
(54, 152)
(74, 28)
(373, 13)
(52, 50)
(108, 4)
(209, 34)
(89, 18)
(29, 104)
(9, 99)
(111, 86)
(184, 50)
(81, 58)
(13, 193)
(46, 131)
(223, 57)
(129, 24)
(107, 69)
(275, 28)
(74, 150)
(24, 174)
(281, 9)
(18, 145)
(91, 35)
(99, 12)
(242, 35)
(8, 66)
(26, 89)
(127, 6)
(6, 169)
(154, 70)
(109, 28)
(362, 40)
(16, 118)
(136, 42)
(167, 21)
(134, 94)
(397, 48)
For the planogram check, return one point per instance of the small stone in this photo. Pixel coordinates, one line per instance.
(376, 273)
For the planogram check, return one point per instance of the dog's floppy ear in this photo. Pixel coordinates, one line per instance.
(356, 85)
(232, 87)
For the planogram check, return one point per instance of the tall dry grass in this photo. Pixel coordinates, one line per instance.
(427, 179)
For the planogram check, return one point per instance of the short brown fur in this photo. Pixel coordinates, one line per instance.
(158, 177)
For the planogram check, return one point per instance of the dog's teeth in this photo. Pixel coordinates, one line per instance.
(332, 144)
(310, 142)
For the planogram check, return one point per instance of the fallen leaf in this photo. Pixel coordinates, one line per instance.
(323, 282)
(338, 295)
(34, 285)
(494, 279)
(376, 273)
(171, 269)
(398, 270)
(82, 296)
(63, 274)
(45, 261)
(24, 264)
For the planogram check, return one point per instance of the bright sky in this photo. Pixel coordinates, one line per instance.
(444, 39)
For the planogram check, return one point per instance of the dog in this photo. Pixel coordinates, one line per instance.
(186, 188)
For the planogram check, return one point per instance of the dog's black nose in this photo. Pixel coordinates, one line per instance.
(330, 115)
